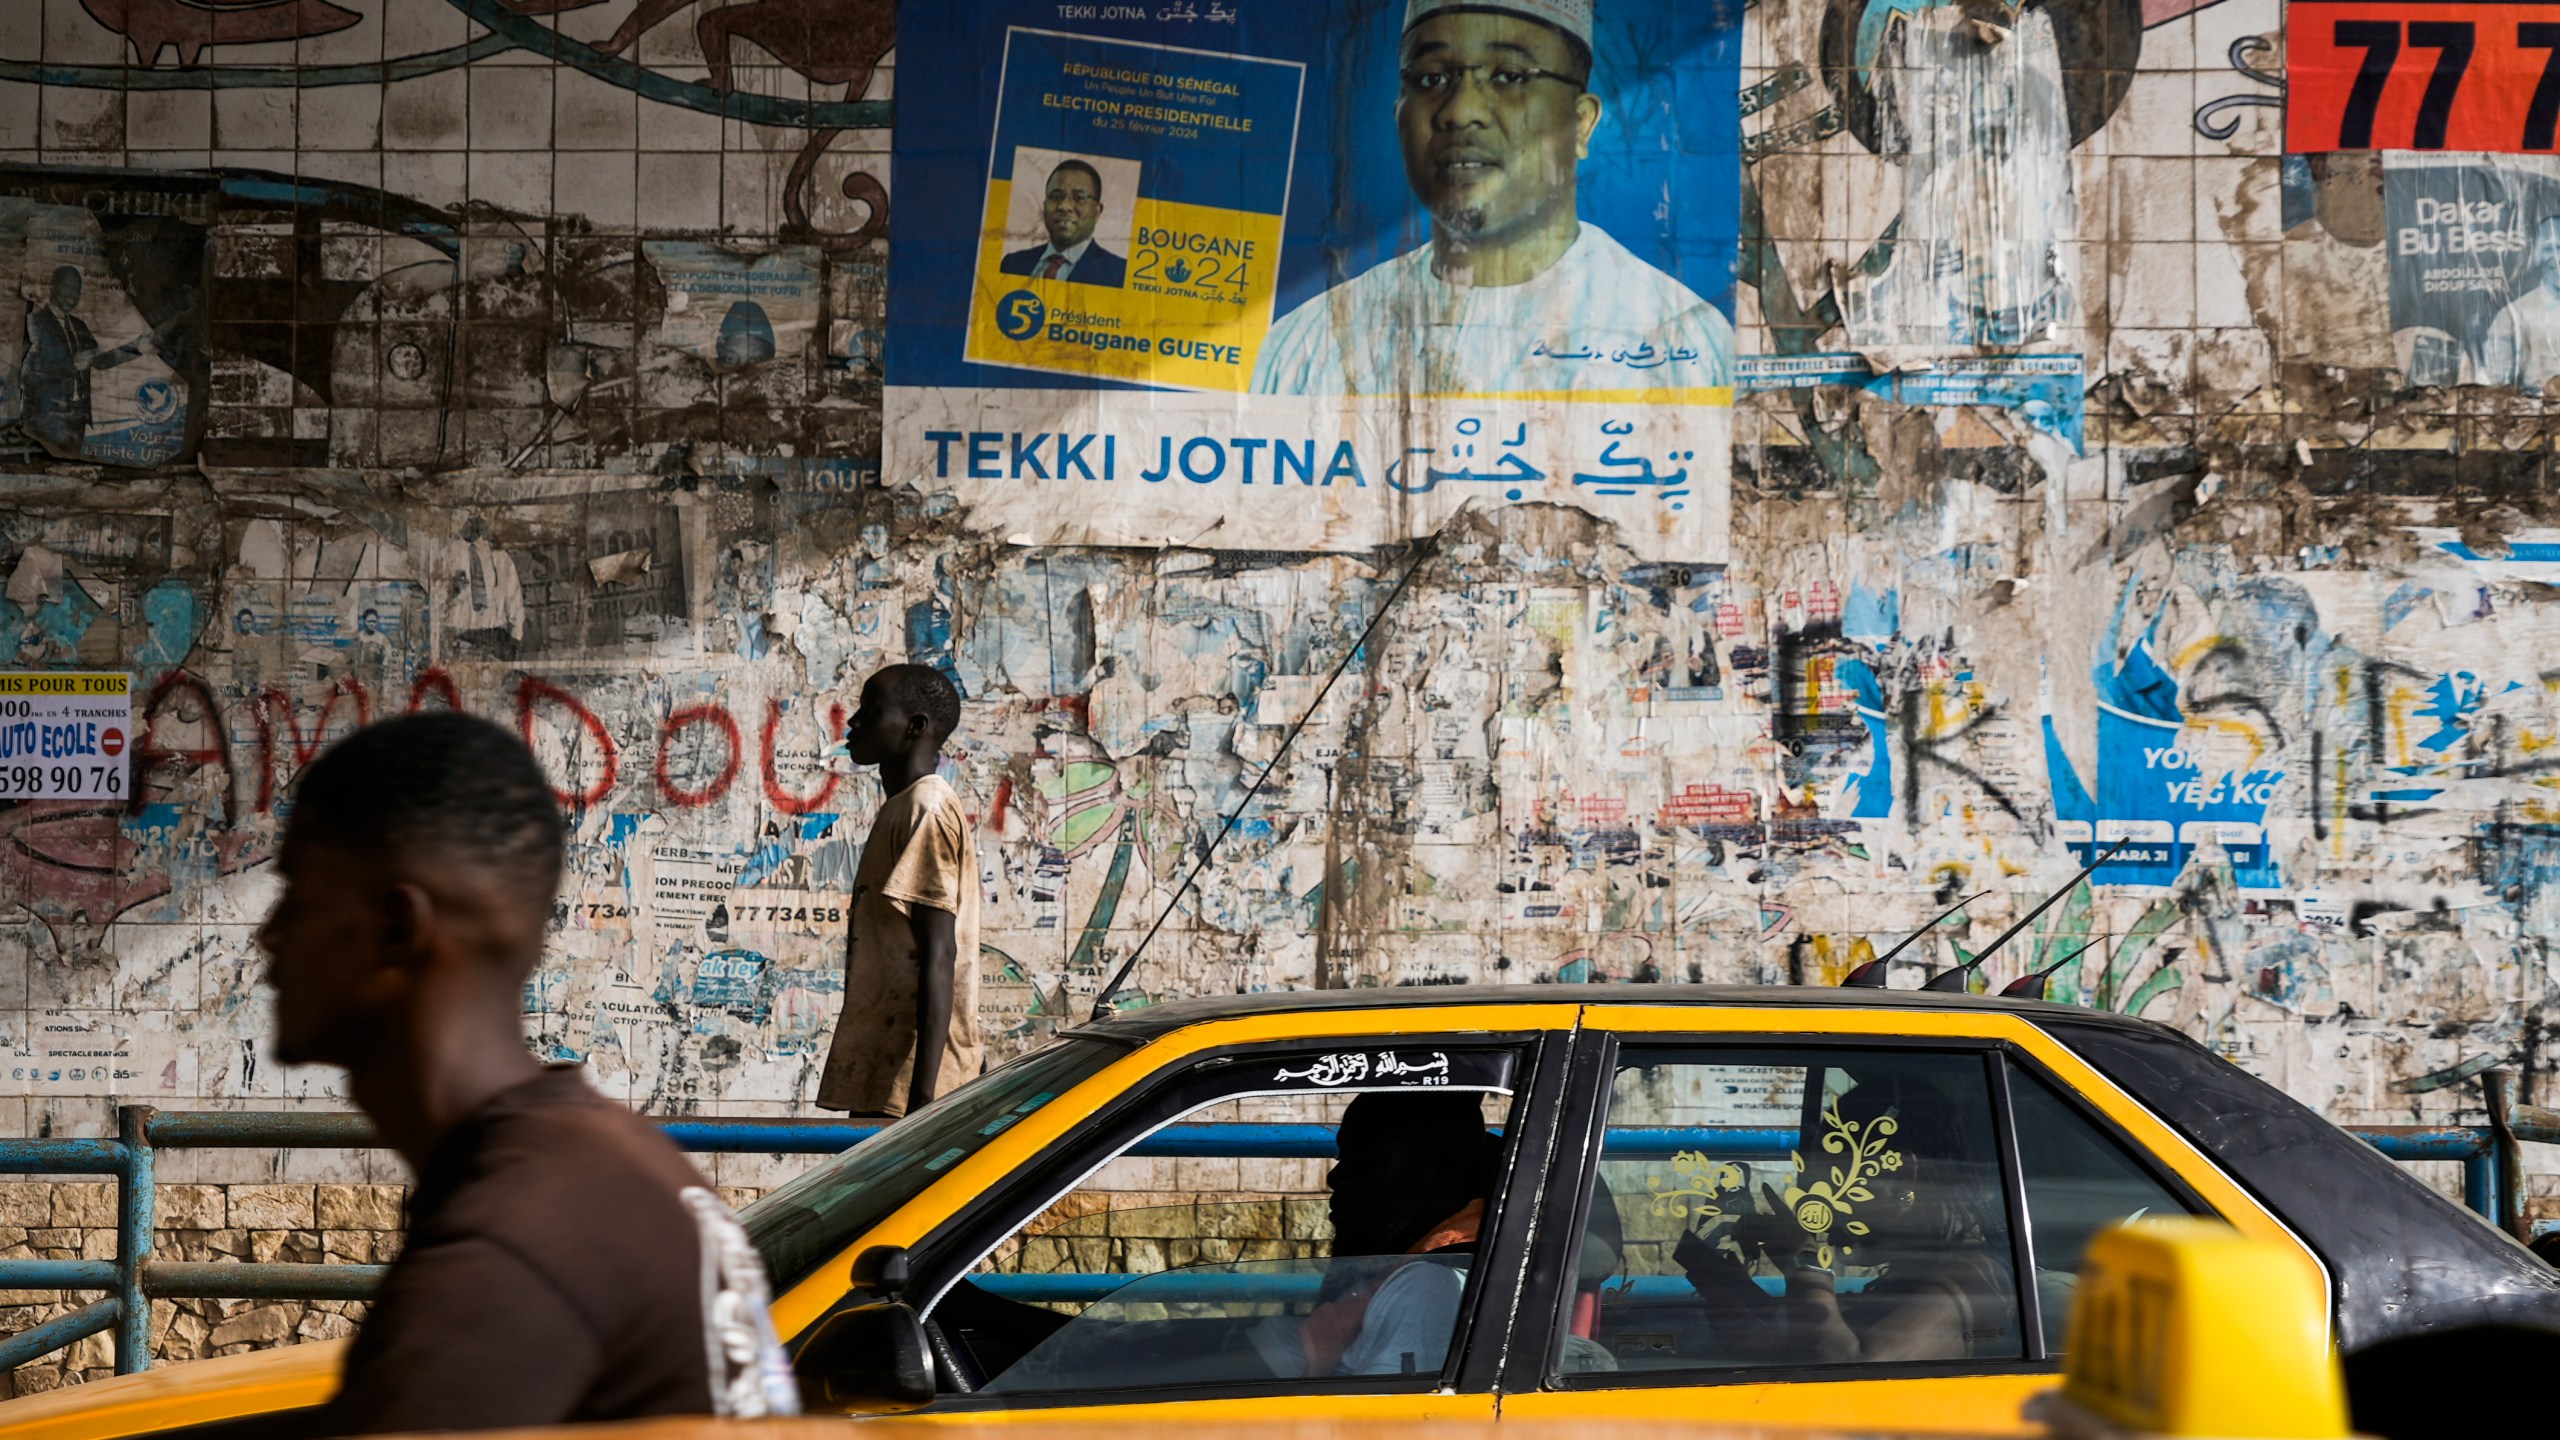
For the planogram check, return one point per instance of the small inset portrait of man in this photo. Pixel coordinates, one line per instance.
(1518, 290)
(1070, 217)
(63, 353)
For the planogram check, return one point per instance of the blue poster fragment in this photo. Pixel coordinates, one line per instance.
(2049, 392)
(2155, 790)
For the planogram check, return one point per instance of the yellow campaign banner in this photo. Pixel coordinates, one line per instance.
(1190, 313)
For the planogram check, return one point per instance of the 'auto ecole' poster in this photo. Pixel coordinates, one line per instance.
(1315, 274)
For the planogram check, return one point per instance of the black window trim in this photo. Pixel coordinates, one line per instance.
(2133, 1150)
(977, 1227)
(2022, 1230)
(1554, 1254)
(1536, 1354)
(2391, 1259)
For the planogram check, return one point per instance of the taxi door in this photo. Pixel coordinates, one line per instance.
(1160, 1259)
(1851, 1219)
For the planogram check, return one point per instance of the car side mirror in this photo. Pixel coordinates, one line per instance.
(883, 1269)
(865, 1355)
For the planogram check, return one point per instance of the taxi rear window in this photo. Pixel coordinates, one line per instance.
(798, 1227)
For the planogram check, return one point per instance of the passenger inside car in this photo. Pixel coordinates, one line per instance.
(1940, 1290)
(1248, 1287)
(1412, 1172)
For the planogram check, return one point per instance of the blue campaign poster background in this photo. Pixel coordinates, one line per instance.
(1664, 176)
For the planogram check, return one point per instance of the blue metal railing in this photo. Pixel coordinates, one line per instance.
(2491, 1186)
(2472, 1147)
(133, 1279)
(1176, 1287)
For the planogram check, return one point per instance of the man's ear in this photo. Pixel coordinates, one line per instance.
(1586, 118)
(409, 924)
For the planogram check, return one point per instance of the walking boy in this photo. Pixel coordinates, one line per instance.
(909, 1031)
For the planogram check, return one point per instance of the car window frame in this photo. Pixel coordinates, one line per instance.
(1535, 1363)
(2046, 1033)
(946, 1254)
(2106, 1127)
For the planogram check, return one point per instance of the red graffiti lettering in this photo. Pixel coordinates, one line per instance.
(1004, 798)
(531, 692)
(150, 752)
(782, 799)
(677, 723)
(433, 681)
(275, 702)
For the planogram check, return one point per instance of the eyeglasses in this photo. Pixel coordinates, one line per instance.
(1504, 81)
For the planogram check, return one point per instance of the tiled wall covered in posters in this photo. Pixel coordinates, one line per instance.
(2100, 470)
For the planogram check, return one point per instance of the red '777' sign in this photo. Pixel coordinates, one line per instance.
(2411, 75)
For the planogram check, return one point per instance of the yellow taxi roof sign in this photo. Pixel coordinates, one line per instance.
(2183, 1326)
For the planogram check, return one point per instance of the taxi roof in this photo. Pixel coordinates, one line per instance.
(1148, 1022)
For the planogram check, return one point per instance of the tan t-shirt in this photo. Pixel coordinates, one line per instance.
(919, 853)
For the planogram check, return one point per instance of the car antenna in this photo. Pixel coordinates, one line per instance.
(2031, 986)
(1870, 976)
(1430, 547)
(1953, 981)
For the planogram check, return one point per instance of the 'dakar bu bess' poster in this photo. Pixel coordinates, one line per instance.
(1315, 274)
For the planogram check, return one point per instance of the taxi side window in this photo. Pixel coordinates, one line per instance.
(1779, 1208)
(1208, 1252)
(2079, 1181)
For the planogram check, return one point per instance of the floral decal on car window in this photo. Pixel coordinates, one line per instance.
(1830, 1205)
(1826, 1210)
(1700, 1183)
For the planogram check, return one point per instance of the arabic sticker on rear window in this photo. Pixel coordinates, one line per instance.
(1396, 1068)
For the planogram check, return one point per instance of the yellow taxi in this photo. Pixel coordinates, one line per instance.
(1849, 1209)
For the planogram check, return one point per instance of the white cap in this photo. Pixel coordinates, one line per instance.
(1573, 17)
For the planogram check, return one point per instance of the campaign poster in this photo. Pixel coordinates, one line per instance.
(733, 311)
(1316, 274)
(1982, 252)
(2474, 248)
(82, 371)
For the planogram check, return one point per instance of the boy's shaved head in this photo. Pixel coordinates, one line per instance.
(923, 690)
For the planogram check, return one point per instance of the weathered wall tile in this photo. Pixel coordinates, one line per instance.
(452, 421)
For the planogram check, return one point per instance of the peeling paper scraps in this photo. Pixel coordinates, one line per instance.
(620, 568)
(2532, 555)
(37, 578)
(2049, 392)
(1985, 138)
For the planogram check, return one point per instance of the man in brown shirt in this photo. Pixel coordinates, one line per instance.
(563, 1261)
(909, 1029)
